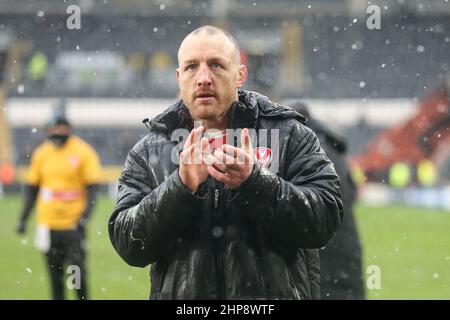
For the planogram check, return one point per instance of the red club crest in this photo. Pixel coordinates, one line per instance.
(263, 156)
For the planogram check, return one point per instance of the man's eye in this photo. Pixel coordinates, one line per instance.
(216, 65)
(191, 67)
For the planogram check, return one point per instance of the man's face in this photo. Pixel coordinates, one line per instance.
(59, 134)
(209, 75)
(60, 129)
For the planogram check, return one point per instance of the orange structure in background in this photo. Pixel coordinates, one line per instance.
(425, 136)
(7, 173)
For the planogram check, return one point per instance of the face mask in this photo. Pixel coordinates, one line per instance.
(58, 139)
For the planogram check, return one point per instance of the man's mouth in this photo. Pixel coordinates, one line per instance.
(205, 96)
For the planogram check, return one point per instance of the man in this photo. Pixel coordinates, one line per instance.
(340, 261)
(63, 176)
(220, 225)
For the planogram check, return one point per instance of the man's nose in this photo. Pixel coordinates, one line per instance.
(203, 76)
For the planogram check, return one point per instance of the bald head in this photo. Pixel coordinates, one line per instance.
(212, 31)
(209, 75)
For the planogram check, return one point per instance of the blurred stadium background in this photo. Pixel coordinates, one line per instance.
(386, 91)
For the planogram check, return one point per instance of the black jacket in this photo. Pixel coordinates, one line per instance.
(258, 242)
(340, 261)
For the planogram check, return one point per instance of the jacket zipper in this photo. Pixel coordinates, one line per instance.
(216, 199)
(219, 251)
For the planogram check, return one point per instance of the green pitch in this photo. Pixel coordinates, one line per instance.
(410, 246)
(24, 274)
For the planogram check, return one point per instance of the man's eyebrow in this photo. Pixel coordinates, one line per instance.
(189, 61)
(222, 60)
(219, 59)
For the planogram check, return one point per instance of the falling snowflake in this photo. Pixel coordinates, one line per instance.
(20, 89)
(420, 48)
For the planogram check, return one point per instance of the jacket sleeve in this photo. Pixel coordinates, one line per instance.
(147, 219)
(303, 209)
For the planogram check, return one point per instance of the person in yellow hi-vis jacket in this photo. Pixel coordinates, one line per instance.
(63, 177)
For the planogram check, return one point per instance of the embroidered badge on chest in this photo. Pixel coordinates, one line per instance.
(74, 161)
(263, 156)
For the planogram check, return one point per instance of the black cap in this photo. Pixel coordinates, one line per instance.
(59, 115)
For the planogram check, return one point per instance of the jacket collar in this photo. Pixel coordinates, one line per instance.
(244, 113)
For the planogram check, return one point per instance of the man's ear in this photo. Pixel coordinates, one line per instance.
(178, 75)
(242, 78)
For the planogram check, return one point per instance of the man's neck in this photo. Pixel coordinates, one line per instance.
(215, 125)
(220, 123)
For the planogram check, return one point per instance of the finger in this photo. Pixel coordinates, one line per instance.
(197, 137)
(191, 137)
(224, 158)
(205, 146)
(219, 176)
(246, 141)
(231, 150)
(222, 168)
(197, 155)
(189, 140)
(187, 152)
(198, 133)
(209, 159)
(186, 155)
(241, 157)
(205, 151)
(224, 163)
